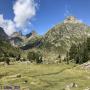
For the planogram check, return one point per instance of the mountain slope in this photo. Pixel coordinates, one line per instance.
(6, 49)
(3, 35)
(25, 42)
(60, 38)
(32, 42)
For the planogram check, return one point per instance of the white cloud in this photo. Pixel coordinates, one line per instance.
(10, 27)
(7, 25)
(24, 10)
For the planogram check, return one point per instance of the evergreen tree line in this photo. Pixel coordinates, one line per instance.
(79, 53)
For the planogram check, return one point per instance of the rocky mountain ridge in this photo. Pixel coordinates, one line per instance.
(56, 42)
(23, 41)
(61, 37)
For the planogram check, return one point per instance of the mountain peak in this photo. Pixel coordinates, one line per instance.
(32, 33)
(16, 34)
(71, 19)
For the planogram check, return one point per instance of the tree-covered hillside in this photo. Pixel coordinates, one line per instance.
(6, 49)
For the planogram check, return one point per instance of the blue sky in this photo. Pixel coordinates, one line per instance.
(50, 12)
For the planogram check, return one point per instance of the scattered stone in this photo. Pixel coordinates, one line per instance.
(87, 88)
(25, 81)
(33, 83)
(67, 87)
(72, 85)
(2, 63)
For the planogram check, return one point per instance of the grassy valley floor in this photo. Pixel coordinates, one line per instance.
(44, 77)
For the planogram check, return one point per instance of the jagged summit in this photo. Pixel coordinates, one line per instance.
(63, 35)
(32, 33)
(17, 39)
(71, 19)
(16, 34)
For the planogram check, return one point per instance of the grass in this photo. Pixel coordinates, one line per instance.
(44, 77)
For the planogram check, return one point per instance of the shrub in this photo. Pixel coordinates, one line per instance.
(7, 60)
(18, 57)
(35, 56)
(80, 53)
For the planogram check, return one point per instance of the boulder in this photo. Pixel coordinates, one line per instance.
(87, 88)
(71, 85)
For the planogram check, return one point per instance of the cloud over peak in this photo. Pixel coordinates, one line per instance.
(7, 25)
(24, 11)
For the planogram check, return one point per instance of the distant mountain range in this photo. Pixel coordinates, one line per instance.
(25, 41)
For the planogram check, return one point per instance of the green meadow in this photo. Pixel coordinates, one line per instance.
(44, 76)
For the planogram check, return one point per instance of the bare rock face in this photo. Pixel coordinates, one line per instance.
(32, 33)
(71, 19)
(16, 34)
(16, 39)
(61, 37)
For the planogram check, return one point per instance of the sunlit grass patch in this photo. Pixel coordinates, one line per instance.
(44, 76)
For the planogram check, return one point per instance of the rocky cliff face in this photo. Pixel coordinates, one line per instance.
(25, 41)
(17, 39)
(72, 19)
(60, 38)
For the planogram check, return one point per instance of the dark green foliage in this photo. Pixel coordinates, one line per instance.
(7, 60)
(35, 57)
(67, 57)
(31, 56)
(18, 57)
(80, 53)
(6, 50)
(3, 35)
(38, 58)
(59, 57)
(88, 44)
(73, 51)
(36, 41)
